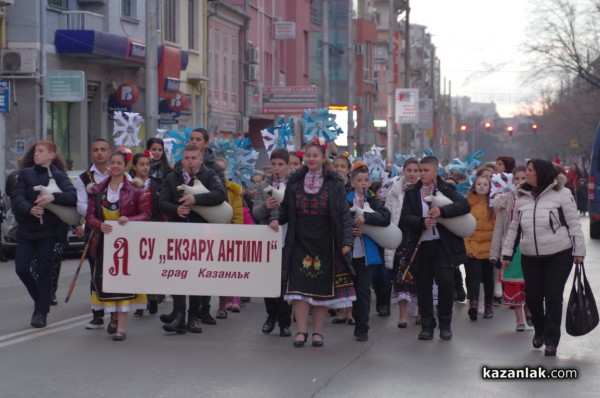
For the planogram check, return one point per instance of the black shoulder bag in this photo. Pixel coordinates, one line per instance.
(582, 313)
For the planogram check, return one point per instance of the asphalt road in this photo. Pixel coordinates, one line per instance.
(234, 359)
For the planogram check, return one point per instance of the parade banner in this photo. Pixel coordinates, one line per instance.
(192, 259)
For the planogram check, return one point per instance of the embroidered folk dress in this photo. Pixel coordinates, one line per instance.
(110, 210)
(315, 274)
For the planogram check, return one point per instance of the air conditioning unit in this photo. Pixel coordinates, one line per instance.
(253, 73)
(19, 61)
(252, 54)
(7, 2)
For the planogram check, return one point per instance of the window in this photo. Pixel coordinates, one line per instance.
(234, 68)
(59, 3)
(192, 25)
(58, 126)
(170, 20)
(129, 8)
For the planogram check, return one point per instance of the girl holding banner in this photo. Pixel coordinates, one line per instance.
(114, 199)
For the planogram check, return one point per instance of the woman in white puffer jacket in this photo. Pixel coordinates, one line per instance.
(551, 240)
(402, 293)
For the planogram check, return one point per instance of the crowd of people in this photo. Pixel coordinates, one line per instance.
(526, 235)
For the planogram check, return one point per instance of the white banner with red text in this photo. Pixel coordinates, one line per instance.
(192, 259)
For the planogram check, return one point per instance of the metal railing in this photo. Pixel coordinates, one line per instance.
(82, 20)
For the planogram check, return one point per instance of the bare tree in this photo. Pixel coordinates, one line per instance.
(563, 42)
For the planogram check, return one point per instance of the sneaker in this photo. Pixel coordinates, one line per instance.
(520, 327)
(138, 313)
(95, 323)
(497, 301)
(529, 321)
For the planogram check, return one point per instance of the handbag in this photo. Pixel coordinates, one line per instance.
(582, 313)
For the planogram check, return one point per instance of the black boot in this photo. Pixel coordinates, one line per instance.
(168, 318)
(427, 326)
(459, 290)
(178, 325)
(205, 316)
(445, 331)
(193, 324)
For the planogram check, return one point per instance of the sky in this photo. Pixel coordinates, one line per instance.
(474, 36)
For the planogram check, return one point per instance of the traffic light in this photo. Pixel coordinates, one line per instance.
(463, 128)
(534, 128)
(510, 130)
(488, 126)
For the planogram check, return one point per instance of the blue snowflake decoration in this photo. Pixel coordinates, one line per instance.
(279, 135)
(473, 161)
(240, 158)
(375, 162)
(180, 140)
(398, 165)
(321, 124)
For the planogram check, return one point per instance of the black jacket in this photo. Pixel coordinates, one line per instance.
(339, 213)
(23, 198)
(412, 221)
(169, 195)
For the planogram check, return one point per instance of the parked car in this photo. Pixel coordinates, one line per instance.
(9, 229)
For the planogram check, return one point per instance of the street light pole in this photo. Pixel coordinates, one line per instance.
(351, 81)
(325, 54)
(151, 74)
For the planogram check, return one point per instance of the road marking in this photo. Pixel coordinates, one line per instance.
(30, 334)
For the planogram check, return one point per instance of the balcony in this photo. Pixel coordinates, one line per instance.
(82, 20)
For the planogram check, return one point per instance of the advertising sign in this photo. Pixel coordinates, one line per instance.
(407, 106)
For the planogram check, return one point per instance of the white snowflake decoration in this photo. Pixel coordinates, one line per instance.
(375, 162)
(168, 141)
(126, 130)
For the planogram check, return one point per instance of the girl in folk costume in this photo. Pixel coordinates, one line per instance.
(511, 277)
(140, 172)
(478, 267)
(367, 255)
(234, 198)
(114, 199)
(38, 229)
(319, 235)
(296, 158)
(342, 166)
(403, 291)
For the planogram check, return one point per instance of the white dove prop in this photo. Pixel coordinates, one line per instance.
(68, 214)
(462, 226)
(277, 193)
(220, 214)
(388, 237)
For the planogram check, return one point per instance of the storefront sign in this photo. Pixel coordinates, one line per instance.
(137, 50)
(127, 94)
(65, 85)
(288, 100)
(196, 259)
(285, 30)
(178, 103)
